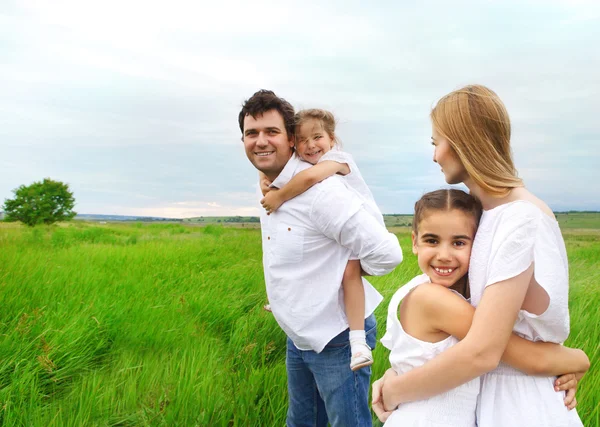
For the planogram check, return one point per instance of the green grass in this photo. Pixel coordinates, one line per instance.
(585, 220)
(161, 325)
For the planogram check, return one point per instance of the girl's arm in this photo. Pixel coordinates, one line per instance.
(302, 182)
(479, 352)
(447, 312)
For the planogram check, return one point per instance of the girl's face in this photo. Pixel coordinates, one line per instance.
(443, 245)
(445, 156)
(312, 141)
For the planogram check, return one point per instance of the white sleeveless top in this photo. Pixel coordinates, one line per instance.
(509, 239)
(454, 408)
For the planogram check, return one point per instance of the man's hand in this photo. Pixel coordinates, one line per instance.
(265, 186)
(377, 396)
(271, 201)
(568, 383)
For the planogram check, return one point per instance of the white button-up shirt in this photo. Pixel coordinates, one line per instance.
(306, 246)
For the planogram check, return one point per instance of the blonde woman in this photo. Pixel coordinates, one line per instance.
(518, 275)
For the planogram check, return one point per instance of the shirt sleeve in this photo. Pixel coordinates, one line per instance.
(338, 156)
(340, 215)
(513, 243)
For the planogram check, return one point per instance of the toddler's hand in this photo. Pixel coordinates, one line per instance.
(271, 201)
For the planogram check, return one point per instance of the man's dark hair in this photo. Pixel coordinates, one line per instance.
(266, 100)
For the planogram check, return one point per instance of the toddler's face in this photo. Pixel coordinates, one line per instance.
(312, 141)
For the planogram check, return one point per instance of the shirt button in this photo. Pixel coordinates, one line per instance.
(289, 229)
(269, 238)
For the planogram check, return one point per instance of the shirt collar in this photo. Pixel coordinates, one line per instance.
(289, 170)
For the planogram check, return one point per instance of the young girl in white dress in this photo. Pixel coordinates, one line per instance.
(518, 274)
(316, 143)
(434, 314)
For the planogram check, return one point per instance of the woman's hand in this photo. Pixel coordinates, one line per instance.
(271, 201)
(377, 402)
(568, 383)
(377, 396)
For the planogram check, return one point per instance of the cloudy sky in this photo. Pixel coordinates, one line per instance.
(135, 103)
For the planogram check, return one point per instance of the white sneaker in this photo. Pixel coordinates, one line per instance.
(361, 359)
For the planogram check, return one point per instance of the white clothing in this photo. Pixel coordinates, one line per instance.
(509, 239)
(306, 245)
(455, 407)
(354, 180)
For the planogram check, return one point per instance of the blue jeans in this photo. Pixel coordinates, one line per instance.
(322, 387)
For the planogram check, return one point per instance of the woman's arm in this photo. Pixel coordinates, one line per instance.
(302, 182)
(447, 312)
(479, 352)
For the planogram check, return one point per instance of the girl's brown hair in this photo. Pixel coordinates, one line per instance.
(446, 200)
(326, 119)
(476, 124)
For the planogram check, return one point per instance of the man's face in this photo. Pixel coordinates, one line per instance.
(267, 144)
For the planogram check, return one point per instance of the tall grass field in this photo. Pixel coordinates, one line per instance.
(162, 325)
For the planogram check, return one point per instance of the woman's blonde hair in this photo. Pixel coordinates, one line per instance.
(476, 124)
(326, 119)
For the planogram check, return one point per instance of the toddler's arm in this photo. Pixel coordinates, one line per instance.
(302, 182)
(264, 183)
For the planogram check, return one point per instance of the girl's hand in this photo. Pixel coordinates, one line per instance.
(568, 383)
(271, 201)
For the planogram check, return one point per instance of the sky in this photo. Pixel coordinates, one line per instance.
(134, 104)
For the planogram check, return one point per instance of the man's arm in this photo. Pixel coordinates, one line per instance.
(339, 214)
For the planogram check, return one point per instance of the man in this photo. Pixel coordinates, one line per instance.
(306, 246)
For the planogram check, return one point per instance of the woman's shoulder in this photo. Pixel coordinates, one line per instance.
(522, 215)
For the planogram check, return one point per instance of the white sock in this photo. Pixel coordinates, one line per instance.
(358, 341)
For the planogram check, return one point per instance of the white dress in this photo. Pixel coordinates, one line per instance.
(509, 239)
(454, 408)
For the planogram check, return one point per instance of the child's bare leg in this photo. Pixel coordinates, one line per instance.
(354, 296)
(354, 300)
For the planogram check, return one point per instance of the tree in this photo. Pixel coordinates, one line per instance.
(43, 202)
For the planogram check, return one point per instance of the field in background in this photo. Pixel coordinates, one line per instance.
(161, 324)
(571, 220)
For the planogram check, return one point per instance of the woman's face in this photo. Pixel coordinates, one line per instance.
(445, 156)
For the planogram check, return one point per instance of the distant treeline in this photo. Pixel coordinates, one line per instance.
(223, 219)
